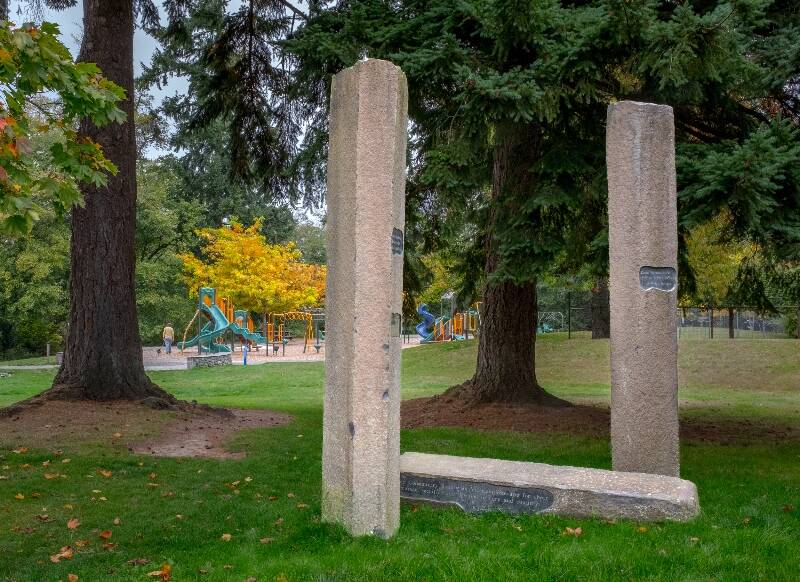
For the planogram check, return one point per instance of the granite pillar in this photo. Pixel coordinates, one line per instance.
(643, 246)
(366, 194)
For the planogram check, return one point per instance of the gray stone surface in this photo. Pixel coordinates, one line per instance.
(478, 485)
(366, 193)
(208, 361)
(643, 246)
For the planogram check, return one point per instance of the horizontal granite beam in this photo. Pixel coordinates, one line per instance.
(478, 485)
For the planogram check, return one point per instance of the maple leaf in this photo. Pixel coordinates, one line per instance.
(164, 573)
(73, 523)
(65, 553)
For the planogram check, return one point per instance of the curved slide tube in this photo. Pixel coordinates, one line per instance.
(425, 328)
(217, 325)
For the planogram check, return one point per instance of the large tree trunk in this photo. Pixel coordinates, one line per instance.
(601, 310)
(3, 9)
(506, 370)
(103, 353)
(731, 324)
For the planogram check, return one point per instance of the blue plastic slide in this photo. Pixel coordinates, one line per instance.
(425, 327)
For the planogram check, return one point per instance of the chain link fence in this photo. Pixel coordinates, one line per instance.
(570, 311)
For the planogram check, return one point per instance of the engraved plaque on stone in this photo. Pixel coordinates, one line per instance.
(661, 278)
(397, 242)
(475, 496)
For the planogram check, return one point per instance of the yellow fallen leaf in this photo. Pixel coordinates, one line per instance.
(266, 540)
(82, 543)
(290, 495)
(20, 451)
(73, 523)
(575, 532)
(226, 537)
(301, 506)
(65, 552)
(65, 461)
(49, 476)
(116, 521)
(642, 529)
(105, 473)
(19, 496)
(68, 506)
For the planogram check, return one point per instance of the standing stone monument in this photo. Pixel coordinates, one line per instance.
(366, 203)
(643, 248)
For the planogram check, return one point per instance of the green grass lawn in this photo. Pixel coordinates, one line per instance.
(34, 361)
(749, 528)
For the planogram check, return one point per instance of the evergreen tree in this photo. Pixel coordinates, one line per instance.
(510, 97)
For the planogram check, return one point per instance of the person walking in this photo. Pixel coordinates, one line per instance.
(168, 336)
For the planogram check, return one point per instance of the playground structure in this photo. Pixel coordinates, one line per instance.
(223, 320)
(457, 327)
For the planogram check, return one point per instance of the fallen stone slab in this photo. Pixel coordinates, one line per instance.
(479, 485)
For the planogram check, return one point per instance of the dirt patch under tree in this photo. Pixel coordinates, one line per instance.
(191, 431)
(580, 420)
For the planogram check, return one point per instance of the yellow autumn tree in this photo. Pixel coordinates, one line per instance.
(257, 276)
(715, 261)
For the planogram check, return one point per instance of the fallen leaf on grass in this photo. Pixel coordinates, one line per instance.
(44, 518)
(105, 473)
(82, 543)
(36, 495)
(116, 521)
(19, 496)
(642, 529)
(575, 532)
(266, 540)
(281, 578)
(73, 523)
(694, 540)
(117, 435)
(50, 476)
(109, 546)
(152, 476)
(227, 567)
(164, 574)
(226, 537)
(138, 562)
(72, 578)
(788, 508)
(290, 495)
(278, 521)
(20, 451)
(302, 505)
(272, 498)
(46, 463)
(65, 553)
(168, 494)
(65, 461)
(106, 534)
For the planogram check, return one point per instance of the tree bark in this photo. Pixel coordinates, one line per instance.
(103, 353)
(601, 310)
(731, 324)
(505, 370)
(3, 9)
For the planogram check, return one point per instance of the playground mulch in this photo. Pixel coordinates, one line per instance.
(191, 431)
(582, 420)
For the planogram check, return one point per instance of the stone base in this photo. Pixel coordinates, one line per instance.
(477, 485)
(207, 361)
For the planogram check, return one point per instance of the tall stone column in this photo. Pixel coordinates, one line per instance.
(643, 247)
(366, 216)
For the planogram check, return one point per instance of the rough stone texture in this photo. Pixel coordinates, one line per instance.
(642, 232)
(517, 487)
(366, 193)
(208, 361)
